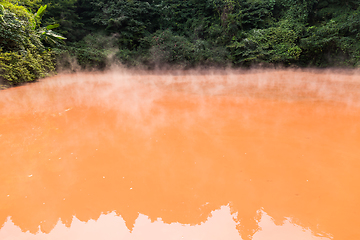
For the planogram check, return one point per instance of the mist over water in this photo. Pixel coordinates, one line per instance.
(192, 148)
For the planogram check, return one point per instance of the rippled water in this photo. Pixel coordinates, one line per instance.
(181, 155)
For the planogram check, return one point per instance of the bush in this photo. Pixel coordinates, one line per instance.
(23, 57)
(16, 68)
(16, 29)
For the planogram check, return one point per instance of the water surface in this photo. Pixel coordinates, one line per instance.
(179, 154)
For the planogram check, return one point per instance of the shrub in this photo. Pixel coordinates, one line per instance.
(16, 68)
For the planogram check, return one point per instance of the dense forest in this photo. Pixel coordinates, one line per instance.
(39, 36)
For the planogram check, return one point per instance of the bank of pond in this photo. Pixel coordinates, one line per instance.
(40, 37)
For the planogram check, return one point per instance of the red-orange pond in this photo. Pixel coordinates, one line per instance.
(271, 155)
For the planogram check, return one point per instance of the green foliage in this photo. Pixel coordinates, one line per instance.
(86, 58)
(31, 5)
(64, 13)
(129, 19)
(23, 57)
(185, 33)
(92, 52)
(276, 44)
(21, 12)
(169, 48)
(16, 29)
(185, 17)
(335, 41)
(47, 35)
(38, 15)
(166, 47)
(16, 68)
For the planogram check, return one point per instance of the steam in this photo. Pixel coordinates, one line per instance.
(144, 96)
(135, 92)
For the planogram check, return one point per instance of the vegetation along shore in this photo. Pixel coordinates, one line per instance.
(39, 37)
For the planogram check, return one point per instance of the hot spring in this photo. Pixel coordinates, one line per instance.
(181, 155)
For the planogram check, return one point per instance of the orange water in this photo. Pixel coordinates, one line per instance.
(177, 146)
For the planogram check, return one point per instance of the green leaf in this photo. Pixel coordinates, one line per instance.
(49, 27)
(54, 34)
(2, 10)
(40, 12)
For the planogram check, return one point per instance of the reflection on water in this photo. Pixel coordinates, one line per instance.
(176, 148)
(111, 227)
